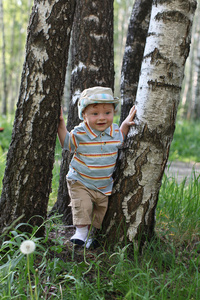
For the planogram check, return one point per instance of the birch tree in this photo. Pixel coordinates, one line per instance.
(196, 108)
(92, 64)
(143, 160)
(122, 12)
(133, 53)
(4, 71)
(193, 111)
(28, 174)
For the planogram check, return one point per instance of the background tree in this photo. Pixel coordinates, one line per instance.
(28, 174)
(16, 15)
(4, 72)
(122, 12)
(92, 64)
(143, 159)
(190, 95)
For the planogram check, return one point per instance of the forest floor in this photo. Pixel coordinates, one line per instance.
(181, 170)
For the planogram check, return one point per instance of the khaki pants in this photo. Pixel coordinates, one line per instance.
(88, 206)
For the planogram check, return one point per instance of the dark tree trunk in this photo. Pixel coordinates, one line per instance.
(92, 64)
(133, 54)
(28, 174)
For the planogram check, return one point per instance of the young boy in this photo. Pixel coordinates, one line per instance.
(95, 144)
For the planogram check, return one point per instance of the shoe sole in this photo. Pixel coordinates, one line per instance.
(77, 242)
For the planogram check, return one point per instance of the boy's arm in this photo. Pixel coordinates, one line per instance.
(62, 130)
(125, 126)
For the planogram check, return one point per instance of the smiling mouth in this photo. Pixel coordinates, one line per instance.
(100, 124)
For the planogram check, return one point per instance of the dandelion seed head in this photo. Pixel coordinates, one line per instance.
(27, 247)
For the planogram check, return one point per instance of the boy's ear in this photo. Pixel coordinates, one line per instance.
(83, 114)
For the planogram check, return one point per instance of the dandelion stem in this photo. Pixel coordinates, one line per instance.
(29, 277)
(36, 296)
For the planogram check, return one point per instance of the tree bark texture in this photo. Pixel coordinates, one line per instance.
(195, 100)
(4, 71)
(143, 159)
(190, 99)
(92, 64)
(92, 50)
(133, 54)
(28, 174)
(196, 106)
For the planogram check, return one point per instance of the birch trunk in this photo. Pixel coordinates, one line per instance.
(195, 103)
(133, 54)
(193, 62)
(4, 71)
(12, 60)
(143, 160)
(92, 64)
(28, 174)
(196, 109)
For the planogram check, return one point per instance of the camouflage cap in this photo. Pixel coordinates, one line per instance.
(97, 94)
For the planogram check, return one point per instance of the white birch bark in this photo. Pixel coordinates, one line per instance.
(28, 173)
(4, 71)
(146, 151)
(196, 104)
(133, 53)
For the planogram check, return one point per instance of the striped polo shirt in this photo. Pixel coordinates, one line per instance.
(95, 155)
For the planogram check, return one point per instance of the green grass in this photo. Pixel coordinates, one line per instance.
(186, 142)
(167, 269)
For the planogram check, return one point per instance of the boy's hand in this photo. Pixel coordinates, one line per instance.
(61, 114)
(125, 126)
(130, 117)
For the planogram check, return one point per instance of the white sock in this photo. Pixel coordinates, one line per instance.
(80, 234)
(82, 231)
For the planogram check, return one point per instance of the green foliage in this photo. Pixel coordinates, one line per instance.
(16, 16)
(5, 136)
(186, 142)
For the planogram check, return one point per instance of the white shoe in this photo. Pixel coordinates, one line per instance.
(91, 241)
(88, 242)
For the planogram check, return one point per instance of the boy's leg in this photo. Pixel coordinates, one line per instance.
(99, 210)
(82, 207)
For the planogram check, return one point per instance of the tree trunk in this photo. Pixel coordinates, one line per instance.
(92, 50)
(92, 64)
(133, 54)
(4, 71)
(195, 103)
(196, 108)
(192, 73)
(122, 13)
(28, 174)
(11, 82)
(143, 159)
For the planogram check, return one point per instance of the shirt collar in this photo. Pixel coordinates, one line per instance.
(92, 133)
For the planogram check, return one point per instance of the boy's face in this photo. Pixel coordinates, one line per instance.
(99, 116)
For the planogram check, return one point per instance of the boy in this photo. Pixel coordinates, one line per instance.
(95, 144)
